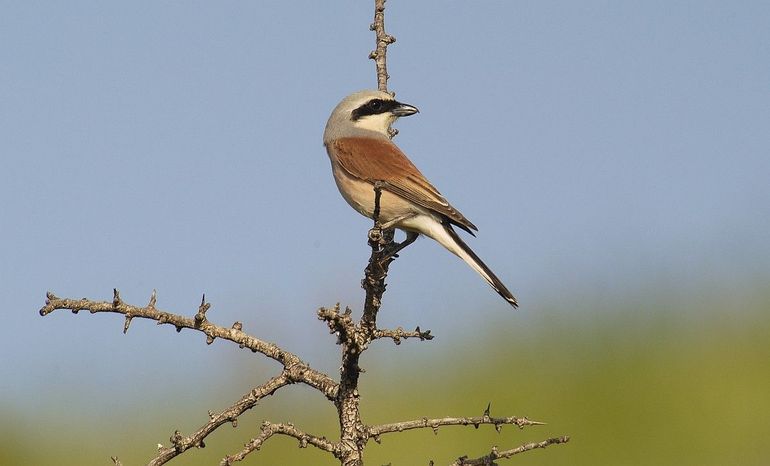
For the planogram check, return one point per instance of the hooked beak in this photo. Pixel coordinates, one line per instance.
(402, 110)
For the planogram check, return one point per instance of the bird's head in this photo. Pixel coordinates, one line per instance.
(365, 111)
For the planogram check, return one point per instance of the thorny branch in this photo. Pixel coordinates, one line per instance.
(425, 423)
(495, 454)
(354, 338)
(299, 371)
(180, 443)
(268, 429)
(294, 371)
(379, 54)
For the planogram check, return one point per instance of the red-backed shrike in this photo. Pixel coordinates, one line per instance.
(361, 153)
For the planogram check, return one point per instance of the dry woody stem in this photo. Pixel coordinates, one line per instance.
(379, 54)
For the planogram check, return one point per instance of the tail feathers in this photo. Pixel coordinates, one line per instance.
(459, 248)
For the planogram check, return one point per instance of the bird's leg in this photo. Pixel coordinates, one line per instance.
(392, 222)
(391, 251)
(391, 248)
(382, 233)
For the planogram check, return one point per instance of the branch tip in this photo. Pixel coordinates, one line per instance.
(176, 440)
(48, 307)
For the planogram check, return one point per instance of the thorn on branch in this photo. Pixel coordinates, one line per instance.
(176, 440)
(153, 299)
(127, 323)
(200, 316)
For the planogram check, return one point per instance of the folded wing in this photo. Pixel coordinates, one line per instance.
(374, 160)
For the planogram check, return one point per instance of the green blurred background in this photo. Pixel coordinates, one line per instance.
(615, 156)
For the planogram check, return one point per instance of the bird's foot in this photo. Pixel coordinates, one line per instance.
(391, 249)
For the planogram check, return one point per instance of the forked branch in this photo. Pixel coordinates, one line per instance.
(294, 369)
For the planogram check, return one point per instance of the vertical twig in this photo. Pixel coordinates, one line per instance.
(377, 269)
(379, 54)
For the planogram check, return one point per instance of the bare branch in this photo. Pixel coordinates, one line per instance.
(424, 423)
(400, 334)
(298, 370)
(180, 444)
(379, 54)
(268, 429)
(489, 460)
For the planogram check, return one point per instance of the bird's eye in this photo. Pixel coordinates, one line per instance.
(375, 105)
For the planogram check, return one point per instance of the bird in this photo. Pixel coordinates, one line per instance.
(358, 141)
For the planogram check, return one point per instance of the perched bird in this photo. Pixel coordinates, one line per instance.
(358, 142)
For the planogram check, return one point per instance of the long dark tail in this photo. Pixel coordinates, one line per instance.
(457, 246)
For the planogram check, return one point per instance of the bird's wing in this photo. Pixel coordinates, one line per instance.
(374, 160)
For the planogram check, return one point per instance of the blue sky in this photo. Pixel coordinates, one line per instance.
(603, 149)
